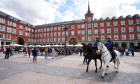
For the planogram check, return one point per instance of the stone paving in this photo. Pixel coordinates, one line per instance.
(19, 69)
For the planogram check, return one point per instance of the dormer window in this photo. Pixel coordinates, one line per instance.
(89, 19)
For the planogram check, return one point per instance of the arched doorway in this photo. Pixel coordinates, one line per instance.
(73, 41)
(116, 45)
(131, 45)
(123, 45)
(20, 41)
(139, 44)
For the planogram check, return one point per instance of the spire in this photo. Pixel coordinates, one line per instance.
(88, 8)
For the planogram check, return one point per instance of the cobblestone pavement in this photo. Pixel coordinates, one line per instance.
(19, 69)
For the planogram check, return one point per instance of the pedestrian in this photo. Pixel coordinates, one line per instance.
(7, 53)
(46, 53)
(53, 53)
(29, 51)
(34, 52)
(132, 51)
(81, 50)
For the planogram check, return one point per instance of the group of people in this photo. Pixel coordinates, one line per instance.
(109, 45)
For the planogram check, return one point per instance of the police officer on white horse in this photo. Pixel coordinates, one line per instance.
(109, 45)
(96, 42)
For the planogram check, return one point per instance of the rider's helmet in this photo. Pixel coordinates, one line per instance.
(97, 37)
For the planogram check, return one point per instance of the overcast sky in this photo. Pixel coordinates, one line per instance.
(38, 12)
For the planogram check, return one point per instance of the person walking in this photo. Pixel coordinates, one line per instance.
(81, 50)
(132, 51)
(34, 52)
(7, 53)
(53, 53)
(29, 51)
(46, 53)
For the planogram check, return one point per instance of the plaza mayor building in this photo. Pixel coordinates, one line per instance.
(124, 31)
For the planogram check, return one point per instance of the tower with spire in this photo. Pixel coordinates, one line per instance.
(89, 15)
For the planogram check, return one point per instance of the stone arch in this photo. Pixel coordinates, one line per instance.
(123, 45)
(20, 41)
(73, 41)
(116, 45)
(139, 44)
(131, 45)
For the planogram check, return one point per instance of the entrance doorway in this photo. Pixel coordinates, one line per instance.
(20, 41)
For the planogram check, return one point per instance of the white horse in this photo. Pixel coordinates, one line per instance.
(106, 57)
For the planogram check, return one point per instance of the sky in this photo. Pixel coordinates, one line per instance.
(38, 12)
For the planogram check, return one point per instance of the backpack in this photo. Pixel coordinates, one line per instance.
(46, 50)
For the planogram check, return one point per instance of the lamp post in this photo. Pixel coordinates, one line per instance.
(65, 27)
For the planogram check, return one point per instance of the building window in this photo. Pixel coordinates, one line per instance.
(47, 34)
(122, 22)
(102, 37)
(52, 29)
(51, 34)
(89, 25)
(102, 31)
(115, 30)
(63, 33)
(122, 29)
(72, 27)
(101, 24)
(41, 30)
(137, 21)
(89, 31)
(138, 36)
(48, 40)
(20, 27)
(55, 34)
(83, 32)
(48, 29)
(83, 38)
(78, 26)
(9, 23)
(44, 34)
(54, 39)
(123, 37)
(108, 30)
(130, 29)
(83, 26)
(28, 39)
(131, 36)
(95, 24)
(59, 39)
(95, 31)
(59, 28)
(38, 30)
(9, 30)
(89, 19)
(32, 30)
(59, 33)
(63, 39)
(1, 36)
(51, 39)
(26, 28)
(38, 35)
(2, 28)
(115, 37)
(26, 34)
(35, 31)
(8, 37)
(14, 31)
(108, 36)
(130, 22)
(14, 24)
(115, 23)
(108, 24)
(44, 29)
(20, 32)
(66, 33)
(55, 28)
(2, 20)
(138, 28)
(35, 40)
(89, 38)
(72, 32)
(79, 32)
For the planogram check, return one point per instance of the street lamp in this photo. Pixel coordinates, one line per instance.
(65, 27)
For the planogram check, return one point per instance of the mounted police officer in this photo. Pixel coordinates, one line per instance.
(109, 45)
(96, 42)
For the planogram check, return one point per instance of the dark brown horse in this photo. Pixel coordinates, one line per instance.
(91, 53)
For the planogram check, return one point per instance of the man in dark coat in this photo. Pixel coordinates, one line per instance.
(8, 50)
